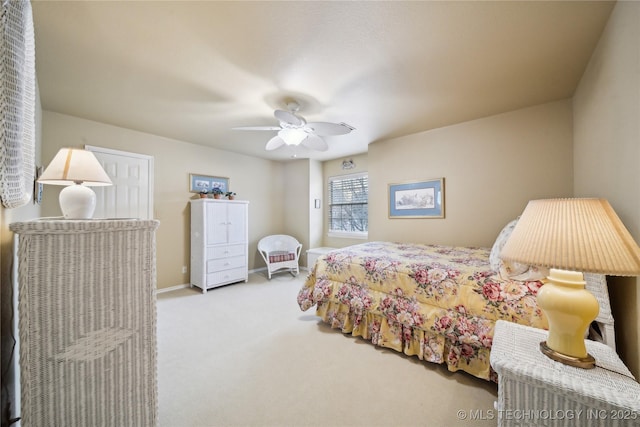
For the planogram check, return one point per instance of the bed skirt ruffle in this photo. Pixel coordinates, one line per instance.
(426, 345)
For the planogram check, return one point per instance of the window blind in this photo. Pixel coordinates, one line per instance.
(349, 203)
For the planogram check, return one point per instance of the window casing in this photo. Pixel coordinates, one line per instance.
(349, 205)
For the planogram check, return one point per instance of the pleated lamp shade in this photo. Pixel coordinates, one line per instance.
(582, 235)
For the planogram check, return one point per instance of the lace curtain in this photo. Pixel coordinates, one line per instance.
(17, 103)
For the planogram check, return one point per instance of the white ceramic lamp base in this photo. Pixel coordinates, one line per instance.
(77, 202)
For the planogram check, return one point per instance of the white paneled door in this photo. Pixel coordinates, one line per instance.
(131, 195)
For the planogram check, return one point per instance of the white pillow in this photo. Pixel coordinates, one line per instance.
(510, 269)
(494, 256)
(522, 272)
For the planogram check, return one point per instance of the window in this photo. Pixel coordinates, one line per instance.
(349, 205)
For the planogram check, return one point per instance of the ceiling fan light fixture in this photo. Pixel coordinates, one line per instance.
(292, 136)
(294, 130)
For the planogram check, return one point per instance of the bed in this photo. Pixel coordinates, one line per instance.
(435, 302)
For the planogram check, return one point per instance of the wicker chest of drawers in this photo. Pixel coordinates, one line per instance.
(87, 322)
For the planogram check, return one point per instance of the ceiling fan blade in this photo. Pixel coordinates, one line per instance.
(329, 129)
(289, 118)
(257, 128)
(315, 143)
(275, 142)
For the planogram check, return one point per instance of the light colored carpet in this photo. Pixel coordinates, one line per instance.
(245, 355)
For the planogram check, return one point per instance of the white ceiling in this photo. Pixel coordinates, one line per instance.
(193, 70)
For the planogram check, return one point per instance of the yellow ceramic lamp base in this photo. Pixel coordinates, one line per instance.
(570, 309)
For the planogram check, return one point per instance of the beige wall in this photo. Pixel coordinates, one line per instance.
(296, 201)
(303, 183)
(607, 151)
(257, 180)
(492, 167)
(316, 217)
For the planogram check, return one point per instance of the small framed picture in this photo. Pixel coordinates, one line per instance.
(200, 183)
(420, 199)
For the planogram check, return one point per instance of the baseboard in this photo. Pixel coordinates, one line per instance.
(172, 288)
(186, 285)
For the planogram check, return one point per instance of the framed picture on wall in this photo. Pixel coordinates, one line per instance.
(200, 183)
(419, 199)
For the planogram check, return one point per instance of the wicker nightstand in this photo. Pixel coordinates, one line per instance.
(534, 390)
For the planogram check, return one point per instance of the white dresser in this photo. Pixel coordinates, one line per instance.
(87, 322)
(219, 242)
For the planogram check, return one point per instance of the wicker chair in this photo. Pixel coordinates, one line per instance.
(280, 252)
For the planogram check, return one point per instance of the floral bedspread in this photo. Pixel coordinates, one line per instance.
(438, 303)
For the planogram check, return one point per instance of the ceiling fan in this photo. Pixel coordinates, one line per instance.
(294, 130)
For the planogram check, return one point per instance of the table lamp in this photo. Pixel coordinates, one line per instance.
(77, 169)
(571, 236)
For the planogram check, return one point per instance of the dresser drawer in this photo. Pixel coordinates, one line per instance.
(226, 251)
(226, 276)
(214, 265)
